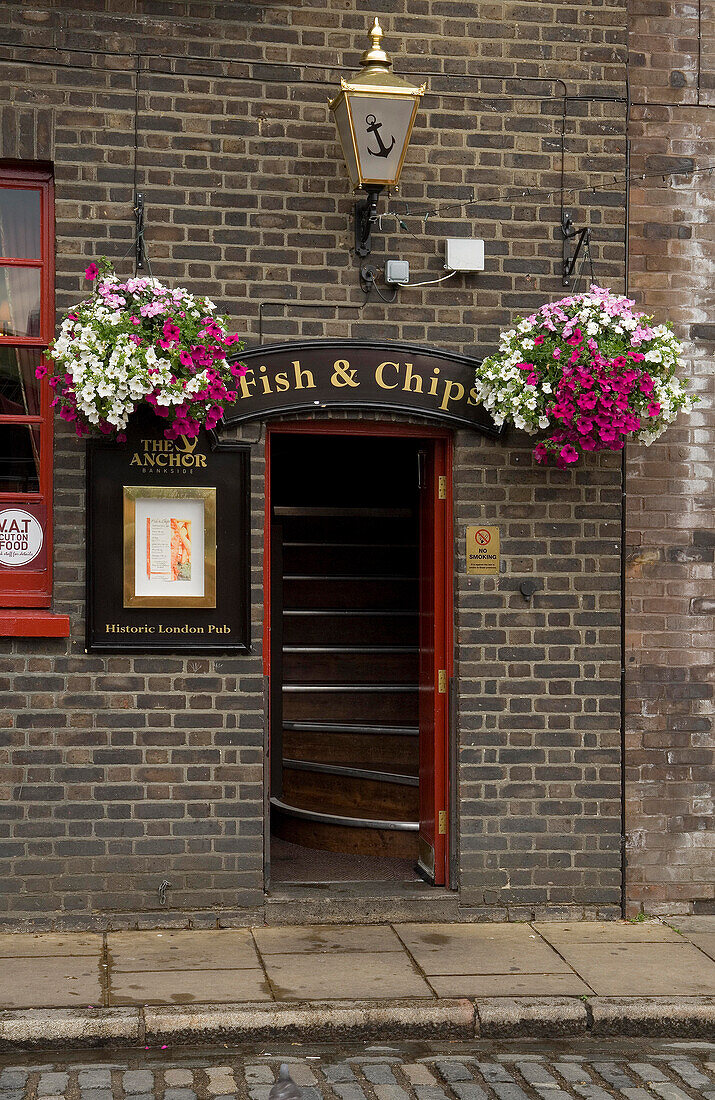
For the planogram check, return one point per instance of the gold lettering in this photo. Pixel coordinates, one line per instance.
(281, 381)
(266, 384)
(343, 375)
(179, 460)
(200, 460)
(411, 377)
(246, 380)
(136, 459)
(433, 382)
(473, 399)
(161, 459)
(149, 460)
(379, 378)
(300, 375)
(448, 387)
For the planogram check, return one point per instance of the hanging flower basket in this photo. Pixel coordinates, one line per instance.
(589, 371)
(138, 341)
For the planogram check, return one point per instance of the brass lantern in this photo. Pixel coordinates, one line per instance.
(374, 112)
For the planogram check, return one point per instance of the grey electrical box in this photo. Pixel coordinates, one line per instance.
(464, 254)
(397, 271)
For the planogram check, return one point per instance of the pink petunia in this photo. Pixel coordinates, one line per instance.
(91, 272)
(654, 408)
(568, 454)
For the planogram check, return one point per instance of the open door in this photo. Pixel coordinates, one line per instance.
(435, 617)
(358, 637)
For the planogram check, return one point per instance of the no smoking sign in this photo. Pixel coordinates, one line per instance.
(482, 551)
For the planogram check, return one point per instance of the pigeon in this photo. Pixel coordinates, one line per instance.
(285, 1087)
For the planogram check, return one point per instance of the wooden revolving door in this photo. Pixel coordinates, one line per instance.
(358, 650)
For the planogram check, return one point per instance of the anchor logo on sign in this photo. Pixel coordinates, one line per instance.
(373, 127)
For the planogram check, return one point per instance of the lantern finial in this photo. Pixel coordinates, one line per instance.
(376, 57)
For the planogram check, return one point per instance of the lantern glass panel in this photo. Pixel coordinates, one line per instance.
(381, 126)
(342, 121)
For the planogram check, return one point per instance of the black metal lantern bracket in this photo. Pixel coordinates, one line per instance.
(583, 240)
(365, 217)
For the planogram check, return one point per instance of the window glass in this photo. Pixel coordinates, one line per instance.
(19, 458)
(20, 224)
(19, 301)
(19, 388)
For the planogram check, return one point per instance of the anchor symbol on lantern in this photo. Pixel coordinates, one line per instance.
(373, 127)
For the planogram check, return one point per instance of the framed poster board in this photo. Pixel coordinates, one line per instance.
(167, 543)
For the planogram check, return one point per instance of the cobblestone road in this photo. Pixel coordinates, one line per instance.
(580, 1070)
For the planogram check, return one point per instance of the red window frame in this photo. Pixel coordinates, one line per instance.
(27, 587)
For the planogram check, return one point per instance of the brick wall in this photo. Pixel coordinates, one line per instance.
(116, 771)
(539, 685)
(671, 488)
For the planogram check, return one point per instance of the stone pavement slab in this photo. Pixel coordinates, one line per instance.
(480, 949)
(434, 964)
(652, 931)
(50, 982)
(703, 922)
(518, 985)
(25, 945)
(133, 951)
(299, 939)
(181, 987)
(344, 975)
(642, 969)
(704, 941)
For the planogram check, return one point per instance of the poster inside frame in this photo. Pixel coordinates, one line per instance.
(169, 546)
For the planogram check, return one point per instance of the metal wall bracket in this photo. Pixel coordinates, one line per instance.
(583, 240)
(139, 239)
(365, 217)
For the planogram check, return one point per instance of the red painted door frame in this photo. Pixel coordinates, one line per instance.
(436, 605)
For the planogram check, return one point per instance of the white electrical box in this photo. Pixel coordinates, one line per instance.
(464, 254)
(397, 271)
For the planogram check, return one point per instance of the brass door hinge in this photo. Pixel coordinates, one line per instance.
(441, 487)
(442, 681)
(442, 822)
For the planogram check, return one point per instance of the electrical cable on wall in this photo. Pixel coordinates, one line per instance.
(544, 193)
(431, 282)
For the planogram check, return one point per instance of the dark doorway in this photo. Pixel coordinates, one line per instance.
(345, 525)
(347, 645)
